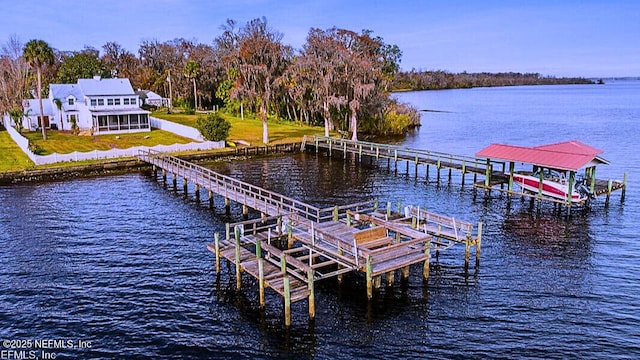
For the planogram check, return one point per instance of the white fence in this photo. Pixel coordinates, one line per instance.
(178, 129)
(23, 143)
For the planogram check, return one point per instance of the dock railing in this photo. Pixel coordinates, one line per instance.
(418, 156)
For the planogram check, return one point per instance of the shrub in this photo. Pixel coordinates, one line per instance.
(213, 127)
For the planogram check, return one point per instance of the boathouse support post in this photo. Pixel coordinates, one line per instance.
(487, 174)
(216, 238)
(572, 178)
(237, 258)
(592, 175)
(478, 244)
(541, 176)
(511, 170)
(369, 278)
(609, 187)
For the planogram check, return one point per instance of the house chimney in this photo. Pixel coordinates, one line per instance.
(96, 77)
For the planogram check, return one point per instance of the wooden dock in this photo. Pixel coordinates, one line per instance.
(295, 244)
(494, 172)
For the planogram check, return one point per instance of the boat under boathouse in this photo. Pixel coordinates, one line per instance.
(556, 174)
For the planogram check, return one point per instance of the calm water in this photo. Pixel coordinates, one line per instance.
(121, 262)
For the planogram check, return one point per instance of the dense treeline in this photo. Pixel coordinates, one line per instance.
(437, 80)
(340, 79)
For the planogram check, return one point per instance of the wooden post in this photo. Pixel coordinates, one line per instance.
(287, 302)
(227, 205)
(388, 208)
(184, 184)
(289, 234)
(407, 168)
(426, 175)
(312, 298)
(164, 176)
(478, 243)
(335, 213)
(464, 171)
(425, 268)
(216, 238)
(572, 178)
(438, 167)
(375, 205)
(405, 273)
(348, 219)
(238, 275)
(609, 186)
(592, 174)
(340, 252)
(245, 211)
(210, 198)
(369, 278)
(624, 187)
(390, 278)
(487, 174)
(511, 169)
(261, 281)
(399, 206)
(175, 180)
(467, 245)
(541, 180)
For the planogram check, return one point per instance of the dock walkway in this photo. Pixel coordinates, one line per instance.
(295, 244)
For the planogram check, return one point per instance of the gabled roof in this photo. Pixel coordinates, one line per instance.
(62, 91)
(34, 105)
(98, 86)
(571, 155)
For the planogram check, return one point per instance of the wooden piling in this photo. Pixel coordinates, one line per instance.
(467, 245)
(478, 244)
(405, 273)
(175, 180)
(211, 198)
(312, 298)
(216, 238)
(237, 248)
(227, 205)
(390, 278)
(425, 268)
(260, 272)
(287, 302)
(184, 184)
(369, 278)
(245, 211)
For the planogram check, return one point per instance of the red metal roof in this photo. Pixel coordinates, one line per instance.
(571, 155)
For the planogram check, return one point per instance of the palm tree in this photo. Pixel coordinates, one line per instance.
(37, 53)
(58, 103)
(191, 70)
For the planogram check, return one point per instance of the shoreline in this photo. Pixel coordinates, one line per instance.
(129, 165)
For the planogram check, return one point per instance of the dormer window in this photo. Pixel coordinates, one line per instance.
(71, 101)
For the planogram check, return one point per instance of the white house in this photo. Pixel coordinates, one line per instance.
(103, 106)
(151, 98)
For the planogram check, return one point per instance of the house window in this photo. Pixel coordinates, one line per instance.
(71, 101)
(116, 101)
(94, 102)
(126, 101)
(133, 101)
(110, 102)
(100, 102)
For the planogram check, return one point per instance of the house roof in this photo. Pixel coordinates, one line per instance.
(98, 86)
(34, 106)
(571, 155)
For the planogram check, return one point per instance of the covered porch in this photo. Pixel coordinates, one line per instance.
(112, 122)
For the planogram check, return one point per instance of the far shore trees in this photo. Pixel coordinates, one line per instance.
(38, 54)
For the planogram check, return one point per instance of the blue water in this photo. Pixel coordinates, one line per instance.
(121, 261)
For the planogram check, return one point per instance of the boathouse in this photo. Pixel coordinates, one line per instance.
(566, 158)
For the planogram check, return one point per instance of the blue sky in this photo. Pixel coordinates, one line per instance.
(562, 38)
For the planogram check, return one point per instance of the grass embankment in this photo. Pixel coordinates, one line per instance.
(250, 129)
(11, 156)
(63, 142)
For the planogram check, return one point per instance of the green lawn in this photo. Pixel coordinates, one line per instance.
(250, 129)
(63, 142)
(11, 156)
